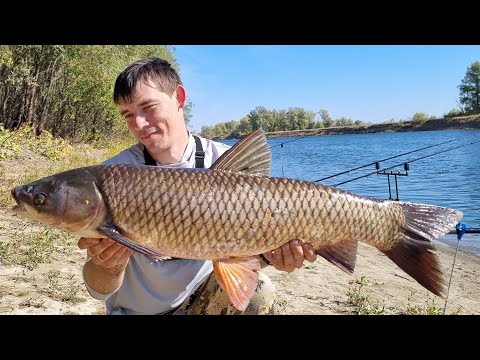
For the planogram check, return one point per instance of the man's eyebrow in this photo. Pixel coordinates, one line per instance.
(143, 103)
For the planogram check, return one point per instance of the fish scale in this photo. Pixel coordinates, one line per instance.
(182, 201)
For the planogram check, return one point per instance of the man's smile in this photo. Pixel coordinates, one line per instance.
(148, 134)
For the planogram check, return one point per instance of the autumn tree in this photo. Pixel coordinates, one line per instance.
(470, 89)
(67, 89)
(326, 119)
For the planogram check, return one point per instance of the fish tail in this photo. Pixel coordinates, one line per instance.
(413, 254)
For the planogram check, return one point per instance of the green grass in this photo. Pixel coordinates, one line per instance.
(428, 308)
(361, 301)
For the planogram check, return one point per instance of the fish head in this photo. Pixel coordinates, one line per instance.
(69, 201)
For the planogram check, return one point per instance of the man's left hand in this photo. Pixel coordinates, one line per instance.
(290, 256)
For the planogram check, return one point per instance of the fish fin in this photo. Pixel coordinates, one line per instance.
(413, 254)
(238, 278)
(113, 233)
(343, 255)
(250, 156)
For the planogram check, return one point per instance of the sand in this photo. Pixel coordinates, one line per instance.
(321, 288)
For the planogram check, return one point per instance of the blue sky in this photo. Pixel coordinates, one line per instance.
(371, 83)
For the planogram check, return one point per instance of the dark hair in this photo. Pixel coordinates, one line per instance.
(157, 70)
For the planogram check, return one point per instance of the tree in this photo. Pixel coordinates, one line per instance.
(327, 120)
(244, 127)
(258, 118)
(470, 89)
(187, 112)
(419, 116)
(452, 113)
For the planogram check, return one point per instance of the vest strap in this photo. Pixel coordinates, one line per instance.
(199, 155)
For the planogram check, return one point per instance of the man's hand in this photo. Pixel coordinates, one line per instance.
(290, 256)
(105, 252)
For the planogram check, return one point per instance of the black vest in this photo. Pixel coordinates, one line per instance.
(199, 154)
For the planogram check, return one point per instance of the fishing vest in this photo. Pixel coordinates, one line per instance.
(199, 155)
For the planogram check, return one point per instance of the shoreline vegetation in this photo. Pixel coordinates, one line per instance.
(454, 123)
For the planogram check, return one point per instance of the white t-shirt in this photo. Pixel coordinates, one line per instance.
(155, 287)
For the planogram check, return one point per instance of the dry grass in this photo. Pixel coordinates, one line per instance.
(41, 266)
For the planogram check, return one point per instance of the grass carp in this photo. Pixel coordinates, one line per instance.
(233, 211)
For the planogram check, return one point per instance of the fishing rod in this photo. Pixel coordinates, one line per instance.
(406, 167)
(467, 230)
(286, 142)
(411, 161)
(390, 158)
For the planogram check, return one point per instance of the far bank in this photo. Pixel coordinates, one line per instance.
(457, 123)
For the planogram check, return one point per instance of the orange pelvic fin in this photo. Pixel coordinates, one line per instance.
(238, 278)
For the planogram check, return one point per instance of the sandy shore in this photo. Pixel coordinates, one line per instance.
(321, 288)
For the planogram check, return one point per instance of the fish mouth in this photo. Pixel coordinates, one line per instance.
(17, 195)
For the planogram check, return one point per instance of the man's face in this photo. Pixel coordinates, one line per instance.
(153, 117)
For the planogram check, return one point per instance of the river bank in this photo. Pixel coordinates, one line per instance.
(455, 123)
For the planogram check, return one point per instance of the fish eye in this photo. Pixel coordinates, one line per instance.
(39, 199)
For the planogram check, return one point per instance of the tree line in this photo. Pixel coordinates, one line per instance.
(301, 119)
(66, 89)
(276, 120)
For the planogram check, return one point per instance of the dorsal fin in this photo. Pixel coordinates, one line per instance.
(251, 155)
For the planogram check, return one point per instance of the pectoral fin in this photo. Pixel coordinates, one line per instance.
(113, 233)
(238, 278)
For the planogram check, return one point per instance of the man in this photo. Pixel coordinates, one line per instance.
(151, 98)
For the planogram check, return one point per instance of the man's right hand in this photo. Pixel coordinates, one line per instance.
(105, 252)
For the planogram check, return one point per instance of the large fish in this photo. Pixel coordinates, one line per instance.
(233, 211)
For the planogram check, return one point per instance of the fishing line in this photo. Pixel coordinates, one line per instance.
(459, 236)
(392, 157)
(394, 166)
